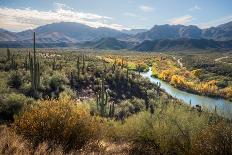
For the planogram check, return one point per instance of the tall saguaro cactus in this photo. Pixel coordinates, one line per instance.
(25, 63)
(8, 54)
(13, 63)
(127, 77)
(78, 68)
(34, 70)
(54, 64)
(111, 110)
(83, 66)
(114, 66)
(122, 65)
(102, 98)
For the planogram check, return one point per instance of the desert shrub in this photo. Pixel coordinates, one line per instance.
(68, 92)
(138, 104)
(144, 145)
(168, 131)
(63, 122)
(11, 143)
(15, 80)
(3, 83)
(12, 104)
(52, 84)
(128, 107)
(55, 83)
(214, 140)
(124, 109)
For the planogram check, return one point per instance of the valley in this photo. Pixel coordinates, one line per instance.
(116, 98)
(125, 77)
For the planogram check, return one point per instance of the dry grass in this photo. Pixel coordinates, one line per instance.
(13, 144)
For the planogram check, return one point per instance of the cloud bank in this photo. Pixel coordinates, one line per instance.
(27, 18)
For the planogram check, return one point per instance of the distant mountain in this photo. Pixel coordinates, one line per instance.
(219, 33)
(107, 43)
(169, 32)
(68, 32)
(182, 44)
(134, 31)
(7, 35)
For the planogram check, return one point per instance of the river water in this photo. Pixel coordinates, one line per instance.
(224, 107)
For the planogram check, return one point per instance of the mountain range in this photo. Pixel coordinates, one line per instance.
(219, 33)
(159, 37)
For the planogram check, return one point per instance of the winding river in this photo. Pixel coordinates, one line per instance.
(224, 107)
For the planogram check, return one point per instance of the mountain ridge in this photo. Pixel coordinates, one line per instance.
(146, 46)
(71, 32)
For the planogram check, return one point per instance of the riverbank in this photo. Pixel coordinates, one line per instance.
(197, 81)
(221, 106)
(188, 90)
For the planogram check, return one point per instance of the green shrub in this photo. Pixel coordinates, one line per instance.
(168, 131)
(12, 104)
(15, 80)
(67, 93)
(63, 122)
(128, 107)
(57, 80)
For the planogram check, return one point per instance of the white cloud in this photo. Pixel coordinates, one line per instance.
(21, 19)
(195, 8)
(145, 8)
(181, 20)
(216, 22)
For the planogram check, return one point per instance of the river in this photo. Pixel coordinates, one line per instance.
(224, 107)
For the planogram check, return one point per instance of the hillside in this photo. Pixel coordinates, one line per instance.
(64, 32)
(107, 43)
(182, 44)
(219, 33)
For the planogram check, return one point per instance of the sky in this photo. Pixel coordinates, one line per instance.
(19, 15)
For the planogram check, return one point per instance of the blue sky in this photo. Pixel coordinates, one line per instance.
(18, 15)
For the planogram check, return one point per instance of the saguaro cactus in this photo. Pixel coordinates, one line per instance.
(26, 63)
(127, 77)
(78, 68)
(34, 71)
(8, 54)
(114, 66)
(54, 64)
(72, 83)
(127, 74)
(111, 110)
(139, 68)
(13, 63)
(83, 64)
(122, 65)
(102, 98)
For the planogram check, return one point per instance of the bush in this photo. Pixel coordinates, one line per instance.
(144, 146)
(215, 139)
(12, 104)
(68, 92)
(63, 122)
(168, 131)
(15, 80)
(129, 107)
(55, 83)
